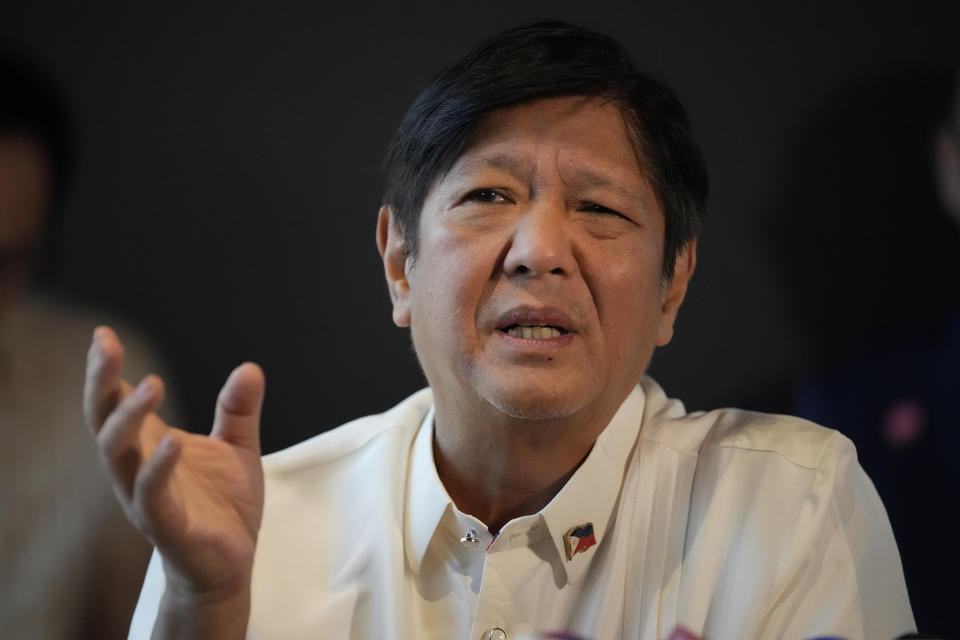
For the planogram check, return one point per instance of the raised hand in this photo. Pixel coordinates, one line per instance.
(199, 499)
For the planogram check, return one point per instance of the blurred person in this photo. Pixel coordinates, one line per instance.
(896, 395)
(70, 563)
(948, 159)
(538, 233)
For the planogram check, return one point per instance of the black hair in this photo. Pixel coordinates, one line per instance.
(541, 60)
(29, 104)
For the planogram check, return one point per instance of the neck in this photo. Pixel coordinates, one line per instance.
(497, 467)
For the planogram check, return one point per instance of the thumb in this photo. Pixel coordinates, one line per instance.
(237, 417)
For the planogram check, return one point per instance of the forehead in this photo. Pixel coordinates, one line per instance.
(570, 119)
(587, 138)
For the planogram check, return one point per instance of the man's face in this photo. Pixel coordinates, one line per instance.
(24, 199)
(537, 285)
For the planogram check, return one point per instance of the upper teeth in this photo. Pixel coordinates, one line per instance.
(536, 332)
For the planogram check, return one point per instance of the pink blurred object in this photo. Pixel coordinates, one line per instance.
(679, 633)
(904, 422)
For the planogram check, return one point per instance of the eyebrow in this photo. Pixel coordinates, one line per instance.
(502, 161)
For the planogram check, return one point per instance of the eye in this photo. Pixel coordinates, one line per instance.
(593, 207)
(489, 196)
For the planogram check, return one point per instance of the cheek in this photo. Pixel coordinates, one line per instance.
(452, 275)
(625, 283)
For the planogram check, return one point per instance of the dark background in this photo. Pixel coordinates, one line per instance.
(228, 178)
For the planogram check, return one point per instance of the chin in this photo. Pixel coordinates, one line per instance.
(533, 404)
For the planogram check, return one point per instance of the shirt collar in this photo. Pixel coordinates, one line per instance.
(589, 496)
(592, 491)
(427, 500)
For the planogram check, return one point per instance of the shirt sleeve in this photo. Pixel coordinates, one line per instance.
(843, 575)
(145, 615)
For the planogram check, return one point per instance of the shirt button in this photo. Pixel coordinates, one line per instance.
(495, 634)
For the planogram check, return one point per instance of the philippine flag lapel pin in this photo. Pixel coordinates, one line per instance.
(579, 538)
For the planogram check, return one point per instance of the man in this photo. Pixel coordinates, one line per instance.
(70, 562)
(538, 236)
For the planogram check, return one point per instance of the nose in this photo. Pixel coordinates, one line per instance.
(541, 243)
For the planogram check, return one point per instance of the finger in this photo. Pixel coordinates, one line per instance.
(237, 417)
(119, 439)
(103, 388)
(152, 483)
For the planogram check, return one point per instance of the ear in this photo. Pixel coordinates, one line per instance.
(393, 250)
(676, 290)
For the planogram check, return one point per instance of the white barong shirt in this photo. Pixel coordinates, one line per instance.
(731, 524)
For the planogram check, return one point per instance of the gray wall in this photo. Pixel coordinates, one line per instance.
(228, 179)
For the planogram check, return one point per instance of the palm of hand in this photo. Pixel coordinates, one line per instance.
(210, 511)
(198, 498)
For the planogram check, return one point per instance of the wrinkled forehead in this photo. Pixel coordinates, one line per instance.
(591, 137)
(575, 111)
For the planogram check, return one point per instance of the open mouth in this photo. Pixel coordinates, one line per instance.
(534, 331)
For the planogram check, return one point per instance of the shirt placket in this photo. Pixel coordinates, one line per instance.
(491, 619)
(496, 611)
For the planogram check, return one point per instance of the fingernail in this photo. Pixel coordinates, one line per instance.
(166, 445)
(95, 342)
(143, 389)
